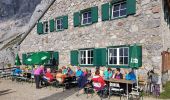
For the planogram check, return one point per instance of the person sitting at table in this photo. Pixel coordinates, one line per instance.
(93, 71)
(70, 71)
(60, 77)
(98, 81)
(102, 71)
(70, 76)
(131, 75)
(118, 75)
(79, 72)
(17, 71)
(82, 80)
(48, 75)
(89, 73)
(64, 70)
(108, 74)
(85, 71)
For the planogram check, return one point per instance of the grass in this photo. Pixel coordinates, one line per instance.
(166, 93)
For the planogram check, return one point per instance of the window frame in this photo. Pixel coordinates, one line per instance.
(118, 56)
(119, 10)
(44, 27)
(61, 24)
(82, 17)
(86, 58)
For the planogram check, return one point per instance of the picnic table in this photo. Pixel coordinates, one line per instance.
(5, 74)
(127, 82)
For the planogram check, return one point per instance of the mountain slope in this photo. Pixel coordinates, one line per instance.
(14, 29)
(14, 17)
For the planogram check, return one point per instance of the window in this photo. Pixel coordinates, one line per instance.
(53, 59)
(119, 10)
(118, 56)
(166, 12)
(86, 18)
(86, 57)
(49, 61)
(45, 25)
(59, 24)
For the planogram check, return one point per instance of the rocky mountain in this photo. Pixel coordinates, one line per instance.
(13, 15)
(17, 8)
(14, 18)
(17, 18)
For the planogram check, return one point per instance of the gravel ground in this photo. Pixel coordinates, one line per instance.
(17, 91)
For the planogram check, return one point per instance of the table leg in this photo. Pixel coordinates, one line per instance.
(127, 91)
(109, 89)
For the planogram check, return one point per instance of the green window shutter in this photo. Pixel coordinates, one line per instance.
(131, 7)
(40, 28)
(74, 57)
(130, 53)
(56, 57)
(65, 22)
(100, 57)
(105, 11)
(139, 54)
(52, 25)
(24, 57)
(94, 14)
(76, 19)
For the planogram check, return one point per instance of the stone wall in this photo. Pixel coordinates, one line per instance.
(142, 28)
(165, 30)
(7, 56)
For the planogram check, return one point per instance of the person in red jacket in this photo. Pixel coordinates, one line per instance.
(48, 75)
(98, 81)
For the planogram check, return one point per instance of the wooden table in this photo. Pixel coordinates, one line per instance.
(127, 82)
(120, 81)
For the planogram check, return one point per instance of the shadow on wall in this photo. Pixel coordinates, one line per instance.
(61, 95)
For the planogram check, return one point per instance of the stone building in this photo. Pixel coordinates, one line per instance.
(101, 32)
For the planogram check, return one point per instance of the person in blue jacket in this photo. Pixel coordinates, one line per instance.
(131, 75)
(79, 72)
(17, 71)
(82, 80)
